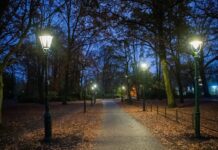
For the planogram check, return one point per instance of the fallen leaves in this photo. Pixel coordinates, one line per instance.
(71, 129)
(174, 135)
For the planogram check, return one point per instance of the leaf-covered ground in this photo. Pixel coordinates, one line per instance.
(178, 135)
(23, 126)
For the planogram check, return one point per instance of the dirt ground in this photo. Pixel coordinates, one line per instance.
(72, 129)
(177, 133)
(23, 126)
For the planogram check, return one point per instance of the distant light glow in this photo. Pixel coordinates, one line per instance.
(214, 86)
(213, 89)
(123, 88)
(94, 86)
(144, 66)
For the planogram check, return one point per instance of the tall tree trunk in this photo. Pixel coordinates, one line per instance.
(181, 97)
(157, 67)
(158, 74)
(137, 92)
(165, 71)
(129, 90)
(158, 11)
(128, 86)
(167, 83)
(178, 78)
(137, 83)
(66, 84)
(69, 44)
(1, 95)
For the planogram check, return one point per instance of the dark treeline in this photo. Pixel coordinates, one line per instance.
(104, 42)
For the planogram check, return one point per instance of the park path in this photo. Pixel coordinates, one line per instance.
(121, 132)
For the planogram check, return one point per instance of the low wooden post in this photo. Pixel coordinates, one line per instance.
(193, 120)
(177, 115)
(165, 113)
(151, 107)
(143, 104)
(157, 108)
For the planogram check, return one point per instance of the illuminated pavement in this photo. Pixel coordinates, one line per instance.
(121, 132)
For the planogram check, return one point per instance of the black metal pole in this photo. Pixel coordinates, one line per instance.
(95, 97)
(143, 92)
(197, 109)
(47, 116)
(84, 104)
(122, 95)
(92, 98)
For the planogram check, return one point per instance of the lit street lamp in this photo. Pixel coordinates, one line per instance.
(46, 43)
(144, 67)
(93, 88)
(123, 89)
(196, 45)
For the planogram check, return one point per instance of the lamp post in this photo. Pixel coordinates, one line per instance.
(196, 46)
(123, 89)
(143, 67)
(93, 88)
(46, 43)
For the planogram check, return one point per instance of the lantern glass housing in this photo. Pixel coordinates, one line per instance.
(45, 41)
(196, 44)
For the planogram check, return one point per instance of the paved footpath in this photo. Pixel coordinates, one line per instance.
(122, 132)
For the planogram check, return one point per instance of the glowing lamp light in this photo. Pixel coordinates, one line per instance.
(45, 41)
(94, 86)
(144, 66)
(214, 87)
(196, 44)
(123, 88)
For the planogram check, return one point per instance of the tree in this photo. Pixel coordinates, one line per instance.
(154, 22)
(82, 26)
(17, 15)
(17, 19)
